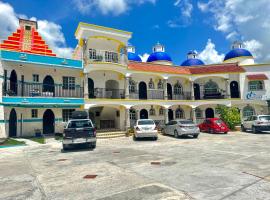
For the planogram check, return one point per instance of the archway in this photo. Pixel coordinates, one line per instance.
(112, 89)
(48, 122)
(170, 114)
(209, 113)
(197, 91)
(13, 83)
(12, 123)
(91, 88)
(234, 89)
(169, 91)
(143, 114)
(142, 90)
(48, 85)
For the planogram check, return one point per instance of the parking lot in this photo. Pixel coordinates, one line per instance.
(233, 166)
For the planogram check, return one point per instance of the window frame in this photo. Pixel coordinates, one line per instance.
(69, 82)
(34, 113)
(35, 78)
(259, 86)
(67, 116)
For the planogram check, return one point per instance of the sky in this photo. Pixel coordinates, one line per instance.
(207, 26)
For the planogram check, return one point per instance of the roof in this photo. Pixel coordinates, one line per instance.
(257, 77)
(159, 56)
(134, 57)
(192, 62)
(237, 53)
(28, 41)
(206, 69)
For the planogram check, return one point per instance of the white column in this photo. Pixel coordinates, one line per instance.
(86, 95)
(192, 90)
(127, 119)
(166, 116)
(127, 87)
(165, 81)
(194, 115)
(228, 93)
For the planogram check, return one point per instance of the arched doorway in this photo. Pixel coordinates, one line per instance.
(48, 122)
(48, 85)
(142, 90)
(169, 91)
(143, 114)
(13, 83)
(234, 89)
(12, 123)
(197, 91)
(209, 113)
(170, 114)
(91, 88)
(112, 89)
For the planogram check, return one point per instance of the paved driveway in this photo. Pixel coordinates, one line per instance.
(234, 166)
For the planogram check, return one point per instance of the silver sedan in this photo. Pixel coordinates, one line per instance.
(181, 127)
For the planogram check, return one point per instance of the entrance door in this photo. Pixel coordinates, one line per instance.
(12, 123)
(170, 114)
(91, 88)
(48, 85)
(142, 90)
(197, 92)
(143, 114)
(48, 122)
(234, 89)
(13, 83)
(209, 113)
(169, 91)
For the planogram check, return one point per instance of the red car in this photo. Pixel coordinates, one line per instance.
(213, 125)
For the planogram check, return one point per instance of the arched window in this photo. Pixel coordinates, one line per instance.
(132, 86)
(179, 113)
(160, 84)
(151, 84)
(211, 87)
(152, 111)
(255, 85)
(161, 111)
(198, 112)
(177, 89)
(248, 111)
(132, 114)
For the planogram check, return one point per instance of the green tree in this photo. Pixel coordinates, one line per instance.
(230, 115)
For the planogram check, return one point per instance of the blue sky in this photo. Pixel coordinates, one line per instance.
(181, 25)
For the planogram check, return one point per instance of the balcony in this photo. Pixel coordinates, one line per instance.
(214, 94)
(182, 96)
(102, 56)
(104, 93)
(25, 89)
(149, 94)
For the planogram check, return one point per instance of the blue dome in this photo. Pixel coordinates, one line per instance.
(134, 57)
(159, 56)
(237, 53)
(192, 62)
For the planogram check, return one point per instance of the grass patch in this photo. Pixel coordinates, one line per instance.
(40, 140)
(12, 142)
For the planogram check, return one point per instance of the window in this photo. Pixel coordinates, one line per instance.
(132, 114)
(210, 87)
(34, 113)
(248, 111)
(151, 84)
(179, 113)
(93, 54)
(152, 111)
(80, 124)
(35, 78)
(132, 86)
(198, 112)
(111, 57)
(68, 83)
(66, 114)
(161, 111)
(255, 85)
(178, 88)
(28, 28)
(160, 84)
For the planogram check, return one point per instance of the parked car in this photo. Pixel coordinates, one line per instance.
(181, 127)
(145, 128)
(256, 123)
(214, 125)
(79, 130)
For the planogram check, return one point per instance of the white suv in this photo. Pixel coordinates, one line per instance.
(256, 123)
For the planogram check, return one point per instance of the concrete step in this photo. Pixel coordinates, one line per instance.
(111, 134)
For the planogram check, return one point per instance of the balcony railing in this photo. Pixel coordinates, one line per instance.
(25, 89)
(107, 57)
(214, 94)
(181, 96)
(150, 94)
(105, 93)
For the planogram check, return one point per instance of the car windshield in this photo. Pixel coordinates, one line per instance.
(146, 122)
(80, 124)
(186, 122)
(218, 121)
(264, 118)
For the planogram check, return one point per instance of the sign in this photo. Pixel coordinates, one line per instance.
(254, 96)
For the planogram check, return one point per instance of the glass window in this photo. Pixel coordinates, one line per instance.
(66, 114)
(80, 124)
(111, 57)
(264, 118)
(179, 113)
(132, 86)
(68, 83)
(248, 111)
(160, 84)
(146, 122)
(92, 54)
(35, 78)
(151, 84)
(255, 85)
(178, 88)
(185, 122)
(132, 114)
(34, 113)
(152, 111)
(198, 112)
(161, 111)
(211, 87)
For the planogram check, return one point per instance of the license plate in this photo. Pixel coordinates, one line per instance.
(80, 140)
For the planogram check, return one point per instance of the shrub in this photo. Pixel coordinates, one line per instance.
(230, 115)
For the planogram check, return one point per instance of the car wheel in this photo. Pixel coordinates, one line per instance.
(254, 130)
(155, 138)
(65, 147)
(243, 128)
(195, 136)
(176, 134)
(211, 130)
(134, 137)
(93, 145)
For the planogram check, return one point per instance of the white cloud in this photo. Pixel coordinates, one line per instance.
(144, 57)
(210, 55)
(51, 32)
(242, 20)
(114, 7)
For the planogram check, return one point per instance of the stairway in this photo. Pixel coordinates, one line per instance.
(111, 134)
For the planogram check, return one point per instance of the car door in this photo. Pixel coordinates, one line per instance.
(172, 127)
(166, 128)
(248, 122)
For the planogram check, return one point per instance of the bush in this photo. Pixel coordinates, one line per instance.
(230, 115)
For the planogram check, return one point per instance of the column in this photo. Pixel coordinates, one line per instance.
(165, 81)
(192, 90)
(85, 90)
(166, 116)
(228, 94)
(127, 119)
(127, 78)
(193, 112)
